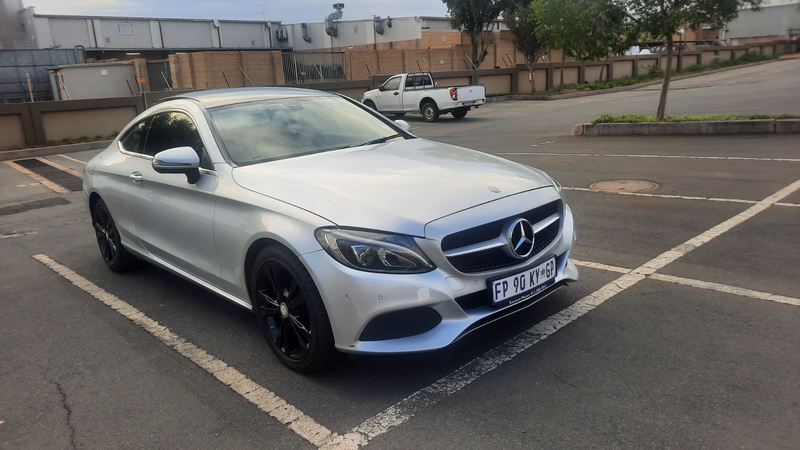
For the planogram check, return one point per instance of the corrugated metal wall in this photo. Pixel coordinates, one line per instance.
(15, 64)
(769, 21)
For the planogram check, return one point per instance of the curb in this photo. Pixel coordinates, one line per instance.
(723, 127)
(621, 88)
(53, 150)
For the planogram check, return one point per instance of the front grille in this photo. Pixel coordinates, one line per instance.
(400, 324)
(496, 258)
(491, 230)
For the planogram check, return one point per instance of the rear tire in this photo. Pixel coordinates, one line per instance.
(108, 240)
(430, 113)
(460, 113)
(290, 311)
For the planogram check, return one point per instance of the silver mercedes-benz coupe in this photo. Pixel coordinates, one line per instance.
(338, 228)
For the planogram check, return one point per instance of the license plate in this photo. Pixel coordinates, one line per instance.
(523, 285)
(467, 103)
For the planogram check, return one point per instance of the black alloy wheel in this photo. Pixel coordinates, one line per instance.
(290, 311)
(114, 254)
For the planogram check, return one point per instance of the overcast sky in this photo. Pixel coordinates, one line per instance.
(284, 10)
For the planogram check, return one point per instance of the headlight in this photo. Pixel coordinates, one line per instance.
(374, 252)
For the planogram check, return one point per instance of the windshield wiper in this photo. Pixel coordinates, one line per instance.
(377, 141)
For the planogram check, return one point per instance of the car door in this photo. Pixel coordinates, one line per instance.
(412, 91)
(390, 98)
(173, 219)
(111, 177)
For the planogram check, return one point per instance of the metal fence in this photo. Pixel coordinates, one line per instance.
(310, 67)
(16, 65)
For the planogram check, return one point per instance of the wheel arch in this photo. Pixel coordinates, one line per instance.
(424, 100)
(93, 198)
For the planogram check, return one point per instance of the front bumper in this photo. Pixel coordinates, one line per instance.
(354, 298)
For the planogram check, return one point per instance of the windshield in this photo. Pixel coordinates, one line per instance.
(280, 128)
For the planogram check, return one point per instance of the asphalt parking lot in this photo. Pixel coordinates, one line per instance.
(682, 331)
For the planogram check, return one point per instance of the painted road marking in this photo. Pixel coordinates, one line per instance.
(72, 159)
(42, 180)
(606, 155)
(402, 411)
(60, 167)
(263, 398)
(679, 197)
(726, 288)
(594, 265)
(696, 283)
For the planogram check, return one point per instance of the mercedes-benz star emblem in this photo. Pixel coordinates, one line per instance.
(520, 239)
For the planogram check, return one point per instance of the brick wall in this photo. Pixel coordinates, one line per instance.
(204, 70)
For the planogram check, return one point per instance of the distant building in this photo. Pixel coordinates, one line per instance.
(775, 18)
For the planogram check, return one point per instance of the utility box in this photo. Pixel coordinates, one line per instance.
(100, 80)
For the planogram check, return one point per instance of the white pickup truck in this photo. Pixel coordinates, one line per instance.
(417, 92)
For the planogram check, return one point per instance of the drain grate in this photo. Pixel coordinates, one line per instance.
(59, 177)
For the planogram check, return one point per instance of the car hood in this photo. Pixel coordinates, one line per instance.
(397, 187)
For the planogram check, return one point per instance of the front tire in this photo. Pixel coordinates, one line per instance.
(108, 240)
(370, 104)
(430, 113)
(460, 113)
(290, 311)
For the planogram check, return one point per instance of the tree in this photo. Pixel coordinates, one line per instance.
(661, 19)
(476, 17)
(522, 24)
(584, 29)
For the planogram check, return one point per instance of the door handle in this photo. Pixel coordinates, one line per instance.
(397, 93)
(136, 177)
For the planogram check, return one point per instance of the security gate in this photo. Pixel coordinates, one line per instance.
(313, 67)
(159, 75)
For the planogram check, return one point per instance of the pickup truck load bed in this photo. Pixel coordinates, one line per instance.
(417, 93)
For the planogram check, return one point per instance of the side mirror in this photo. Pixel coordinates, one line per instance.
(403, 124)
(178, 160)
(380, 88)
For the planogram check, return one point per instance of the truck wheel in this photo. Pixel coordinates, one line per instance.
(430, 113)
(370, 104)
(460, 113)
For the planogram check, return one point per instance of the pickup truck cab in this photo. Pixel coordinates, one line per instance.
(417, 93)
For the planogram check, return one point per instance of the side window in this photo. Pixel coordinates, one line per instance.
(173, 129)
(427, 79)
(392, 84)
(133, 140)
(409, 81)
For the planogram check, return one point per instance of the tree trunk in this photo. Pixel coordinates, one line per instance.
(603, 67)
(561, 83)
(662, 101)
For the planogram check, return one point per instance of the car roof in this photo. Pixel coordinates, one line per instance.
(222, 97)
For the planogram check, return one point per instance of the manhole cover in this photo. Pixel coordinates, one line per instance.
(623, 186)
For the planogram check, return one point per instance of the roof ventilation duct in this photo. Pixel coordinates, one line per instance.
(330, 28)
(306, 37)
(376, 22)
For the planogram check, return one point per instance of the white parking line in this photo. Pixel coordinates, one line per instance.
(696, 283)
(679, 197)
(726, 288)
(263, 398)
(72, 159)
(594, 265)
(402, 411)
(606, 155)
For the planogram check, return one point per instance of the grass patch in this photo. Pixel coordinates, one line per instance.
(640, 118)
(656, 73)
